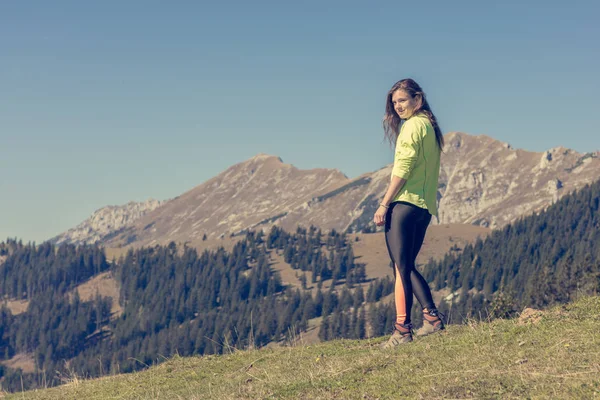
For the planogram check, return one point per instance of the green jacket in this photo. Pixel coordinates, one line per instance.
(417, 159)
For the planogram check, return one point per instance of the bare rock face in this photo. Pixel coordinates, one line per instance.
(482, 182)
(105, 221)
(546, 158)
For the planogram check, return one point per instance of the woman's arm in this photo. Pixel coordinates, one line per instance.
(395, 185)
(405, 157)
(407, 148)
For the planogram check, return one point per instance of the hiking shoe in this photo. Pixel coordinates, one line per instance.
(402, 334)
(433, 326)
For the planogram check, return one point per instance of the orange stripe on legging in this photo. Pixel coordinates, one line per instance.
(399, 296)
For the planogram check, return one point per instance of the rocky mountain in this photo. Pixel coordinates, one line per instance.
(105, 221)
(482, 182)
(489, 183)
(256, 192)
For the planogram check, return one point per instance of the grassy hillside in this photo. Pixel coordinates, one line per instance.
(554, 354)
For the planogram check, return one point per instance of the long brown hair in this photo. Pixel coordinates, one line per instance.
(391, 120)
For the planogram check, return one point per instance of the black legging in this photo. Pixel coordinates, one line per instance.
(405, 227)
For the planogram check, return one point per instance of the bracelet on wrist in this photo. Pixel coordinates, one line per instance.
(383, 205)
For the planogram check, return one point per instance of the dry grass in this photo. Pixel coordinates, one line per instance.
(21, 360)
(16, 306)
(557, 357)
(106, 286)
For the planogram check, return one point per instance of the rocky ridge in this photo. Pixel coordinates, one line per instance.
(106, 221)
(489, 183)
(482, 182)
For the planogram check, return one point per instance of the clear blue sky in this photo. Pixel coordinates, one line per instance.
(110, 101)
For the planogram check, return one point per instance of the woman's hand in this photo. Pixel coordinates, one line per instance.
(395, 185)
(379, 217)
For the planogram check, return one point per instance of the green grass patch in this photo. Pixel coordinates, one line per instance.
(556, 357)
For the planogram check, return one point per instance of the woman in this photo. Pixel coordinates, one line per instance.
(410, 202)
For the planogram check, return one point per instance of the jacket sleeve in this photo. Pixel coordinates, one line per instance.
(407, 148)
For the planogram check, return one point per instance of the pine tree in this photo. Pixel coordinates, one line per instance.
(319, 299)
(303, 280)
(360, 327)
(324, 329)
(359, 297)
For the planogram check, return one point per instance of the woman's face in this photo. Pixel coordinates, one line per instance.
(404, 104)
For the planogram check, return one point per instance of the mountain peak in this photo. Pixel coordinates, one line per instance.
(264, 157)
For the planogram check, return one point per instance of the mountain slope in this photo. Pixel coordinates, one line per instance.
(245, 195)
